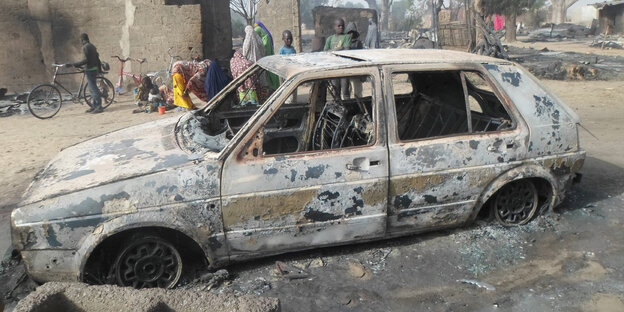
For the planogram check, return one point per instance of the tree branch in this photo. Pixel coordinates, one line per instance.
(569, 3)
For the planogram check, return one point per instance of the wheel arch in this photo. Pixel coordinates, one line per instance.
(545, 183)
(107, 234)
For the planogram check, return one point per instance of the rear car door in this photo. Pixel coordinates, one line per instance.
(451, 132)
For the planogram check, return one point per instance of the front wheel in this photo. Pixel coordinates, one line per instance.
(44, 101)
(515, 203)
(106, 90)
(148, 262)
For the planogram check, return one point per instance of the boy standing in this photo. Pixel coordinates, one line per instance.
(338, 41)
(287, 48)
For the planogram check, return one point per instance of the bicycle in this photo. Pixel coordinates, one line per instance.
(137, 78)
(45, 100)
(163, 77)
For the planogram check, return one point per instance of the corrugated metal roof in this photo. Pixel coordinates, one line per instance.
(288, 65)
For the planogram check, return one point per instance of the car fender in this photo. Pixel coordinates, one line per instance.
(522, 172)
(139, 220)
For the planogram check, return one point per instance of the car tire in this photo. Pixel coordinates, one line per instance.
(146, 262)
(515, 203)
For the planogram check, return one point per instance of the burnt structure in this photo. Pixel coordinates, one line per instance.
(39, 33)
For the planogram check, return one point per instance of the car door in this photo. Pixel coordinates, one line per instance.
(275, 199)
(444, 146)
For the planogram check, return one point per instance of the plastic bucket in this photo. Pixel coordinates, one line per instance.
(161, 110)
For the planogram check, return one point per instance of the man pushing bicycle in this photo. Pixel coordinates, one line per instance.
(91, 62)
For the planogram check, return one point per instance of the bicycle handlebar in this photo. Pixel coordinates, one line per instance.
(123, 60)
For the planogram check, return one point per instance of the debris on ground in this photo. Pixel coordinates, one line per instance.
(557, 65)
(290, 272)
(606, 44)
(16, 284)
(357, 270)
(552, 32)
(479, 284)
(213, 280)
(55, 296)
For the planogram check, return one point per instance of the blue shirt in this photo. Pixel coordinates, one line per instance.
(285, 51)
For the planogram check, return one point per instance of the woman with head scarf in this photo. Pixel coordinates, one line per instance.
(253, 49)
(267, 39)
(247, 90)
(189, 76)
(267, 42)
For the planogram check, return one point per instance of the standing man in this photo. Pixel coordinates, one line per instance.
(372, 36)
(91, 62)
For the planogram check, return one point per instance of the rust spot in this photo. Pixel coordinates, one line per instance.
(376, 194)
(265, 207)
(402, 185)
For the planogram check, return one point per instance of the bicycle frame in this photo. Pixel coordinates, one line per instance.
(135, 77)
(81, 89)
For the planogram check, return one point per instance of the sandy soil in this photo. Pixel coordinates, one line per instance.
(29, 143)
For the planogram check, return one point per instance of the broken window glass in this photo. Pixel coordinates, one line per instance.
(433, 104)
(322, 114)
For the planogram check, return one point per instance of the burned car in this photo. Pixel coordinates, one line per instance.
(353, 146)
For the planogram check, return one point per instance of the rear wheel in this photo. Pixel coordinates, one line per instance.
(44, 101)
(106, 90)
(147, 262)
(515, 203)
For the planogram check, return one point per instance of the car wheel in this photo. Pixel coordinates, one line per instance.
(515, 203)
(148, 262)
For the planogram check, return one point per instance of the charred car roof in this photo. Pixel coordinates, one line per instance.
(289, 65)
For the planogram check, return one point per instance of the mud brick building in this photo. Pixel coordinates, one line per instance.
(38, 33)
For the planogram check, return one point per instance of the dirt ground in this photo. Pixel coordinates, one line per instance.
(568, 261)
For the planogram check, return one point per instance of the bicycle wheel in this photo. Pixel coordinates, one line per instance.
(44, 101)
(106, 90)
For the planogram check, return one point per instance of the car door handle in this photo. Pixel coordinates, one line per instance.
(362, 164)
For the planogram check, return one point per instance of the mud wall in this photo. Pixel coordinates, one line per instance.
(42, 32)
(280, 15)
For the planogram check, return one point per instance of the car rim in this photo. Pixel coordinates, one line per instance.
(516, 203)
(149, 262)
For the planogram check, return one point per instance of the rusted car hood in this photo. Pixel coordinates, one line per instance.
(126, 153)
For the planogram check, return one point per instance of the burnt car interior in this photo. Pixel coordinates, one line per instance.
(318, 115)
(433, 104)
(322, 114)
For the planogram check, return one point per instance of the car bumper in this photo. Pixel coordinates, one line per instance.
(51, 265)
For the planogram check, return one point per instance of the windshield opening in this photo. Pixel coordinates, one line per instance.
(211, 129)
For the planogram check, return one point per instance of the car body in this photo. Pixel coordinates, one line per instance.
(428, 140)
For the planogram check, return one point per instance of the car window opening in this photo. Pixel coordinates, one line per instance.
(322, 114)
(433, 104)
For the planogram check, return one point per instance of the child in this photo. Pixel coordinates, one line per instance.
(287, 48)
(338, 41)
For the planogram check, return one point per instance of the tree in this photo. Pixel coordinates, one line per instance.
(559, 10)
(510, 9)
(245, 8)
(386, 11)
